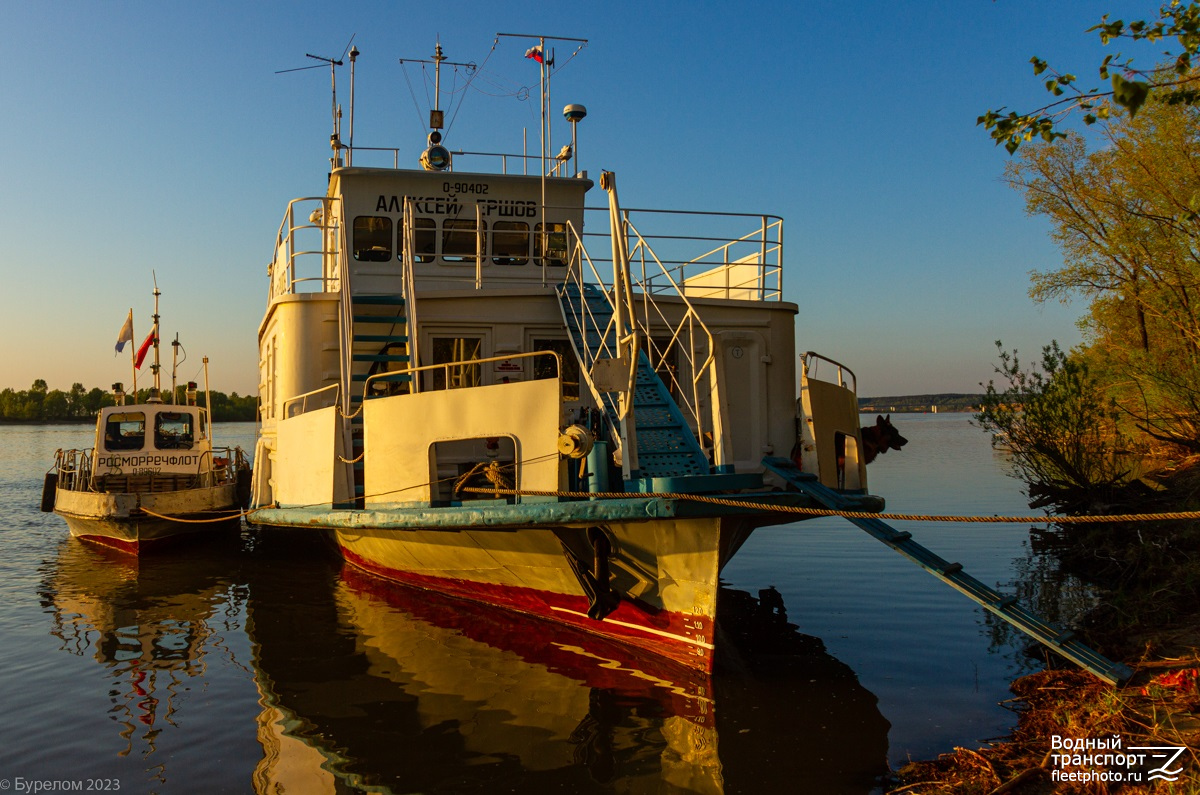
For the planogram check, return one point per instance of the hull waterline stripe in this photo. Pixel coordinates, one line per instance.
(651, 630)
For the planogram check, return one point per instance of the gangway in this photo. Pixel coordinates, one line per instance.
(1006, 607)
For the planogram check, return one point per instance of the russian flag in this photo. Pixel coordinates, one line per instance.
(141, 354)
(126, 334)
(536, 54)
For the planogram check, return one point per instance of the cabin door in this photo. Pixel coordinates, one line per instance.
(744, 362)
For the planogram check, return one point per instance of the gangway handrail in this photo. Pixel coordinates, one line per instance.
(690, 325)
(691, 318)
(408, 265)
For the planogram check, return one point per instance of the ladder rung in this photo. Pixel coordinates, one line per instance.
(392, 377)
(377, 300)
(396, 319)
(1064, 637)
(379, 357)
(381, 338)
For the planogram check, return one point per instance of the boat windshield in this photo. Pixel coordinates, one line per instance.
(125, 431)
(173, 430)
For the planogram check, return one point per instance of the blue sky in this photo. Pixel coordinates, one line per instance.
(146, 137)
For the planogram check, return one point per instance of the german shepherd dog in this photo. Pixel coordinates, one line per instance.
(881, 437)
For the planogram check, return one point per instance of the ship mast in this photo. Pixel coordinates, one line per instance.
(545, 60)
(156, 394)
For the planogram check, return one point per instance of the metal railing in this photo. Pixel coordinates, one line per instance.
(74, 469)
(554, 164)
(290, 264)
(302, 401)
(447, 368)
(745, 266)
(689, 349)
(811, 357)
(215, 466)
(588, 324)
(408, 265)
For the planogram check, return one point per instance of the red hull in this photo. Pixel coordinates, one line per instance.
(660, 632)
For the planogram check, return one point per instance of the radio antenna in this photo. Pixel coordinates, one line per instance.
(334, 63)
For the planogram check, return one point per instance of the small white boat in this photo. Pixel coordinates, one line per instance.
(152, 473)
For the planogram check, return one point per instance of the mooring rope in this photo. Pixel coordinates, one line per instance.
(764, 507)
(231, 516)
(896, 517)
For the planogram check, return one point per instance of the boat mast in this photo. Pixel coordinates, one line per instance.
(437, 77)
(545, 59)
(156, 394)
(207, 396)
(350, 152)
(174, 364)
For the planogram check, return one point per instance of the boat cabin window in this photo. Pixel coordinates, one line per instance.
(372, 238)
(126, 431)
(173, 430)
(458, 353)
(459, 239)
(510, 242)
(552, 246)
(424, 239)
(544, 367)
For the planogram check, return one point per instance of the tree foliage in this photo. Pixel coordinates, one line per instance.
(1174, 82)
(1124, 216)
(1063, 436)
(39, 403)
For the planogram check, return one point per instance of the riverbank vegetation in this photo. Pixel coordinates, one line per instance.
(1112, 426)
(39, 403)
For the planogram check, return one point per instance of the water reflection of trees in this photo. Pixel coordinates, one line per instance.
(1041, 584)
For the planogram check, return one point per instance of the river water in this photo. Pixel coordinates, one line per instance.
(256, 663)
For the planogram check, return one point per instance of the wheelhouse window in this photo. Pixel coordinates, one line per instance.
(551, 247)
(460, 242)
(372, 238)
(125, 431)
(458, 352)
(173, 430)
(424, 239)
(510, 242)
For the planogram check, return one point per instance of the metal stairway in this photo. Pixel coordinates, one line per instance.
(952, 574)
(668, 455)
(379, 350)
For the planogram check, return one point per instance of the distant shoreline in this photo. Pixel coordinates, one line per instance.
(947, 402)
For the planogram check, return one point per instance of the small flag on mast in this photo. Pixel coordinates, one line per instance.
(126, 334)
(538, 55)
(141, 354)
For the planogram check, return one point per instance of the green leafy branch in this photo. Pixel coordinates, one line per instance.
(1130, 87)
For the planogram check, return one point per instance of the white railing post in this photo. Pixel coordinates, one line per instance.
(407, 268)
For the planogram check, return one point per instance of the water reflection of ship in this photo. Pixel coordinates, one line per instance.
(385, 689)
(150, 621)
